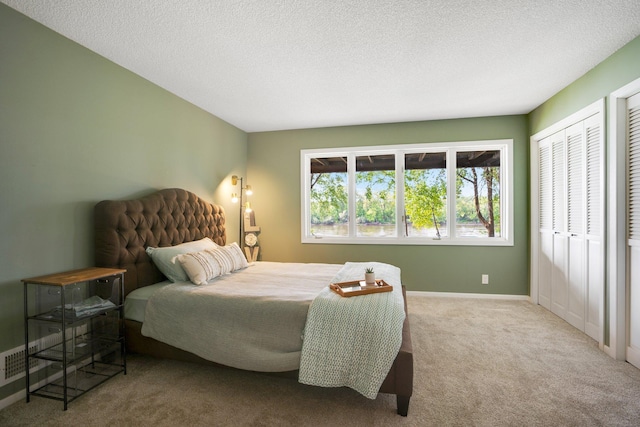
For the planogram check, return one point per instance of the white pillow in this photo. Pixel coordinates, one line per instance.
(163, 257)
(206, 265)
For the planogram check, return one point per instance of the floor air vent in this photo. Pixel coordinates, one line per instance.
(12, 364)
(12, 361)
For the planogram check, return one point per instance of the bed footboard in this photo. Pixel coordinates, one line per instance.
(399, 381)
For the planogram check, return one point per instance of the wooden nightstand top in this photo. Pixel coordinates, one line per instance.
(74, 276)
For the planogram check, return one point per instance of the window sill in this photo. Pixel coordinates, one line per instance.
(408, 241)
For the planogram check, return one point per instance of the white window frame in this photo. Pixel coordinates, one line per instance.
(505, 146)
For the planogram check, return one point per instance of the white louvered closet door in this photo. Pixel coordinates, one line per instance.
(559, 271)
(570, 256)
(576, 217)
(633, 227)
(594, 226)
(545, 223)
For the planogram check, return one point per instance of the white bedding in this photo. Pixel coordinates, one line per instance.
(252, 319)
(135, 303)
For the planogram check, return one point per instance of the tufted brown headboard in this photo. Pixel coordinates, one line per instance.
(124, 229)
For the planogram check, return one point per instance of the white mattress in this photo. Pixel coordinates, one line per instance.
(136, 302)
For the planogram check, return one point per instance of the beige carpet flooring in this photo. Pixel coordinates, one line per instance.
(477, 363)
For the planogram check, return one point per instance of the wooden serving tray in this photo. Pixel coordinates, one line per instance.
(357, 287)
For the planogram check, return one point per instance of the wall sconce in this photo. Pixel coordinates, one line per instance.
(238, 197)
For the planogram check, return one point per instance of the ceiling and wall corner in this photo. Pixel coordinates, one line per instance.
(265, 66)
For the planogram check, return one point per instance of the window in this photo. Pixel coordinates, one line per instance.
(425, 189)
(478, 193)
(376, 196)
(328, 196)
(442, 193)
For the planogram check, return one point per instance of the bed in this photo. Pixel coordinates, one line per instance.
(124, 230)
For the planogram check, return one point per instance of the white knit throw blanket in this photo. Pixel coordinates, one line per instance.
(353, 341)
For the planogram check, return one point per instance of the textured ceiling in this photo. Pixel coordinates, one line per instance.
(286, 64)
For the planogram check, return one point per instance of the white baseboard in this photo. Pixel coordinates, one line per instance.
(10, 400)
(463, 295)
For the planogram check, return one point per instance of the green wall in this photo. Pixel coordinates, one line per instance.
(274, 174)
(75, 129)
(620, 68)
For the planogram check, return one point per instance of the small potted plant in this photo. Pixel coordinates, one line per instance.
(369, 276)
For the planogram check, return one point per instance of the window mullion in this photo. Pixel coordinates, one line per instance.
(451, 193)
(400, 215)
(351, 171)
(504, 187)
(306, 195)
